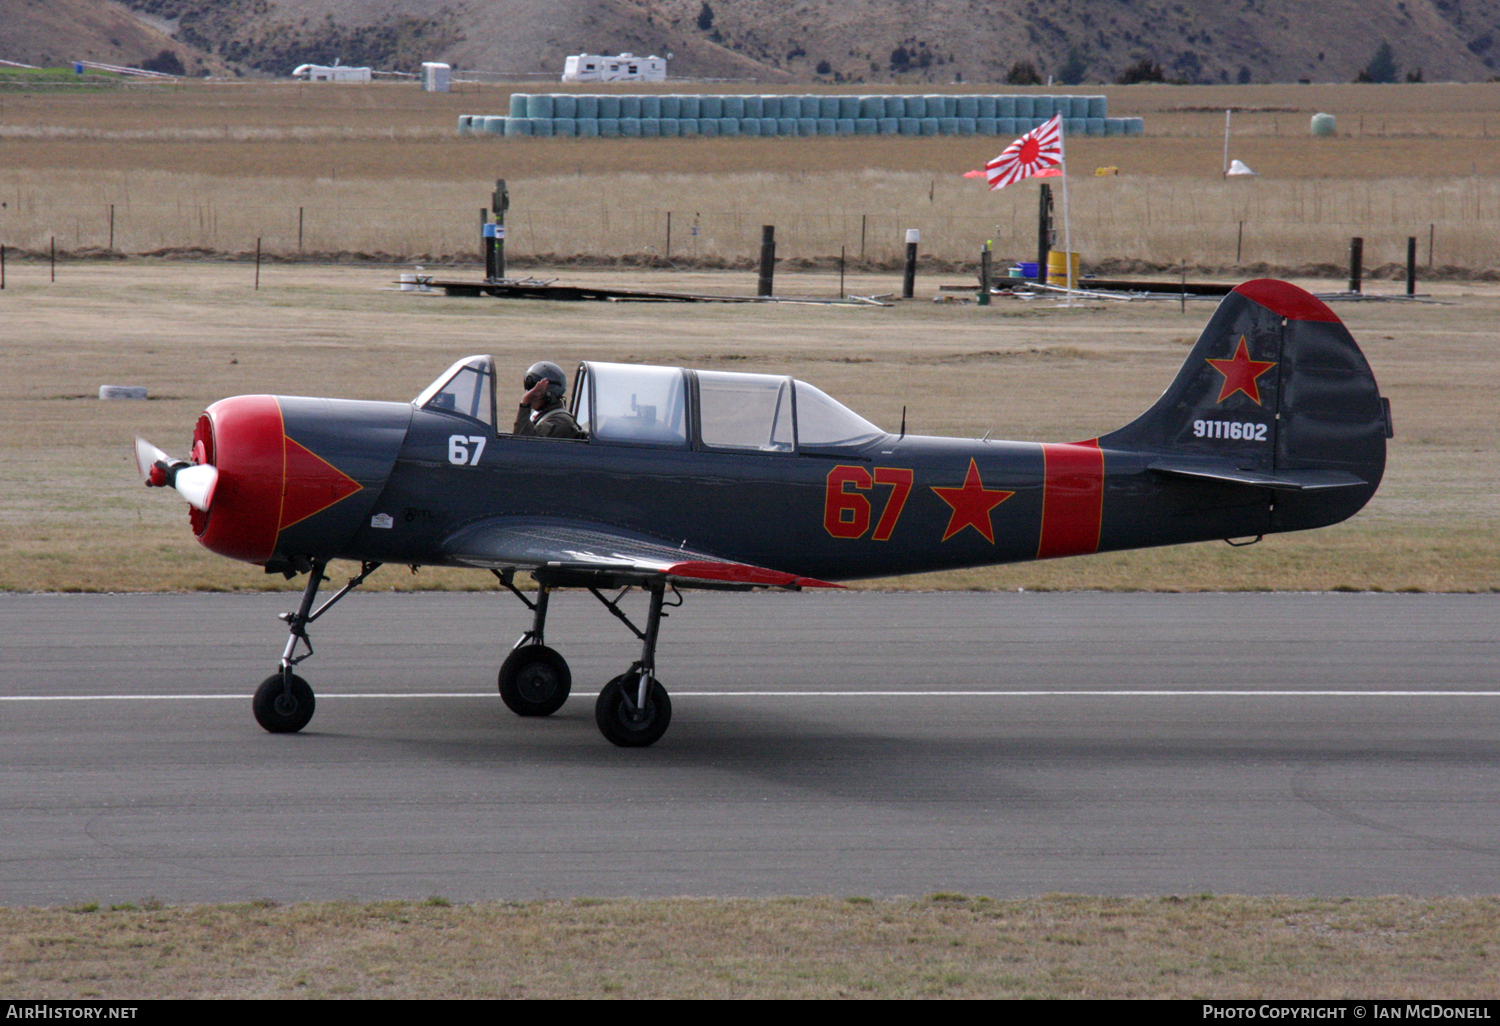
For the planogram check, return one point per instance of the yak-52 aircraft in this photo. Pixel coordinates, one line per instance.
(708, 479)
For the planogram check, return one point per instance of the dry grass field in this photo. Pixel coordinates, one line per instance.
(381, 170)
(75, 517)
(941, 946)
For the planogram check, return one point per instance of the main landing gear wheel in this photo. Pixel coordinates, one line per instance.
(535, 681)
(281, 711)
(626, 724)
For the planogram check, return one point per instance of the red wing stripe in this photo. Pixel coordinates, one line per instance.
(1072, 499)
(743, 573)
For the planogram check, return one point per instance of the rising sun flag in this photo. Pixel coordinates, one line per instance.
(1038, 153)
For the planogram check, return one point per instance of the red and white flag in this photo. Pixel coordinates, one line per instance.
(1036, 154)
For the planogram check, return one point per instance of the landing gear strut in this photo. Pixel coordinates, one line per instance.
(284, 703)
(632, 711)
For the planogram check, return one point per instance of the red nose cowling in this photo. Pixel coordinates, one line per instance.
(267, 481)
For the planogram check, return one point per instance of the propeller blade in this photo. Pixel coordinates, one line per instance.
(146, 456)
(196, 485)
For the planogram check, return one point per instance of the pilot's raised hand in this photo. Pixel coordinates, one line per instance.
(534, 394)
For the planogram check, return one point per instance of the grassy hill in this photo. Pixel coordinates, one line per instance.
(910, 42)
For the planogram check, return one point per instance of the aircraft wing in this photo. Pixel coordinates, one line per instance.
(570, 553)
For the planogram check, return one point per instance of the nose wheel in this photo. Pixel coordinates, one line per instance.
(283, 706)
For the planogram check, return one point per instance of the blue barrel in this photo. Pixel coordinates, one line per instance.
(650, 128)
(588, 128)
(609, 109)
(928, 126)
(630, 128)
(538, 105)
(908, 126)
(708, 127)
(667, 128)
(947, 126)
(609, 128)
(517, 127)
(630, 107)
(496, 125)
(1134, 126)
(734, 107)
(770, 126)
(567, 128)
(518, 105)
(967, 126)
(650, 106)
(932, 106)
(1113, 126)
(843, 126)
(687, 126)
(968, 106)
(689, 107)
(786, 126)
(827, 126)
(749, 126)
(1094, 126)
(913, 107)
(807, 126)
(1024, 106)
(828, 107)
(541, 126)
(849, 107)
(586, 107)
(888, 126)
(1005, 107)
(564, 105)
(770, 106)
(1011, 126)
(986, 126)
(895, 106)
(866, 126)
(1098, 107)
(729, 126)
(1030, 270)
(671, 106)
(465, 124)
(1043, 107)
(754, 107)
(1076, 126)
(872, 107)
(710, 107)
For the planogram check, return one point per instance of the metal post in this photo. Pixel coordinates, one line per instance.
(1043, 230)
(767, 260)
(984, 275)
(862, 219)
(257, 263)
(487, 234)
(111, 227)
(53, 247)
(841, 272)
(2, 265)
(1411, 265)
(909, 276)
(1239, 244)
(500, 203)
(299, 231)
(1356, 262)
(1431, 234)
(667, 253)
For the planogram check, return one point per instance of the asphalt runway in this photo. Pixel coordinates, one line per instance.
(845, 744)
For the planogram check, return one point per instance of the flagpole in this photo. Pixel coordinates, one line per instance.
(1062, 140)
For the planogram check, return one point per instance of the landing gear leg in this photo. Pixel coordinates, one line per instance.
(284, 702)
(633, 710)
(534, 680)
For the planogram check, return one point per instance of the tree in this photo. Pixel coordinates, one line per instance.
(706, 17)
(1382, 67)
(166, 62)
(1074, 68)
(1143, 70)
(1022, 73)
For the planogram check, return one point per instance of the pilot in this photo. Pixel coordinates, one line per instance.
(542, 412)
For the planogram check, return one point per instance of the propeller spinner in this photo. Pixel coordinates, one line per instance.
(193, 481)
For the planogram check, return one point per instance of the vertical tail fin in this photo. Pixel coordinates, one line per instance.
(1274, 394)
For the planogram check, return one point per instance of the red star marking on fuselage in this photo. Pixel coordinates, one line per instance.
(1240, 373)
(971, 504)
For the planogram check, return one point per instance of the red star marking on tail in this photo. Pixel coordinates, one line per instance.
(971, 504)
(1240, 373)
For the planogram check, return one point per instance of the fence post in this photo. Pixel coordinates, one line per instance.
(767, 260)
(909, 275)
(984, 275)
(1356, 263)
(1411, 265)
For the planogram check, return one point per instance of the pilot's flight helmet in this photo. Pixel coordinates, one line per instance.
(553, 373)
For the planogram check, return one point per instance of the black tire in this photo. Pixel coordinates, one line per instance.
(619, 720)
(283, 713)
(535, 681)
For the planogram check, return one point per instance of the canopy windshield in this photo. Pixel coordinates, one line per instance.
(467, 388)
(824, 421)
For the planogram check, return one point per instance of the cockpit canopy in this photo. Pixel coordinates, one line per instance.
(632, 404)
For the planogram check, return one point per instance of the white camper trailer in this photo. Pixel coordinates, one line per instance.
(436, 77)
(626, 67)
(335, 73)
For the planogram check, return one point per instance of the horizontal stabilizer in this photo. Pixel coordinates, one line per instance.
(1283, 480)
